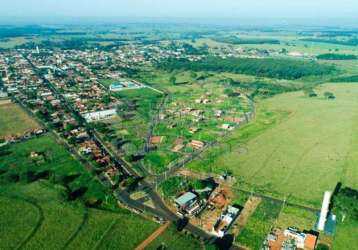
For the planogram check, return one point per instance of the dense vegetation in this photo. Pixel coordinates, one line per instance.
(346, 203)
(238, 40)
(15, 31)
(345, 207)
(268, 67)
(349, 42)
(262, 89)
(353, 78)
(331, 56)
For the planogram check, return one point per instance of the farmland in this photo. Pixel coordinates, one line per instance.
(314, 145)
(52, 161)
(14, 121)
(48, 221)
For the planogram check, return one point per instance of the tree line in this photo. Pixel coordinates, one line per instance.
(238, 40)
(332, 56)
(267, 67)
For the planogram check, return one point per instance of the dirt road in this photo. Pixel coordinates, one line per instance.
(153, 236)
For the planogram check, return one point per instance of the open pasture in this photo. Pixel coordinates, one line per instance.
(14, 121)
(313, 148)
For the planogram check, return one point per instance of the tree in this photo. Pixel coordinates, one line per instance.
(329, 95)
(193, 74)
(321, 246)
(309, 92)
(173, 80)
(228, 92)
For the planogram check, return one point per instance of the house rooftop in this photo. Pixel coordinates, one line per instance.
(185, 198)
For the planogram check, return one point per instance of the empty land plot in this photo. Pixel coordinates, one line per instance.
(171, 239)
(314, 147)
(14, 121)
(300, 218)
(259, 225)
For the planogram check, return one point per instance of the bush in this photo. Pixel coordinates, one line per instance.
(322, 246)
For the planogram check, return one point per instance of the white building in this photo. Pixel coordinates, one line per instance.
(99, 115)
(225, 220)
(324, 210)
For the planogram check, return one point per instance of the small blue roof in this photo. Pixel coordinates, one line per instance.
(185, 198)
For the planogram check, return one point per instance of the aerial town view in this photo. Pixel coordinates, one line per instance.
(179, 125)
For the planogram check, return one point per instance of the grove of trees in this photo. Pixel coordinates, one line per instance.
(267, 67)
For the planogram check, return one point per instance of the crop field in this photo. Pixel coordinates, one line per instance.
(47, 221)
(313, 146)
(14, 121)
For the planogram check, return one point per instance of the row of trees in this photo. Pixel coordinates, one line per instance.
(238, 40)
(347, 42)
(309, 92)
(331, 56)
(268, 67)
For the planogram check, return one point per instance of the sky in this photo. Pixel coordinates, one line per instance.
(305, 10)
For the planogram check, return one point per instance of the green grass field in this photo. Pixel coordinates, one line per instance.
(346, 236)
(292, 216)
(14, 121)
(37, 217)
(314, 146)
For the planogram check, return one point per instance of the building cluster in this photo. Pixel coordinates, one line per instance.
(211, 207)
(290, 239)
(43, 85)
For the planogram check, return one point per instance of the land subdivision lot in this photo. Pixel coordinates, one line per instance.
(14, 121)
(304, 154)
